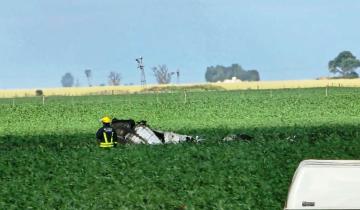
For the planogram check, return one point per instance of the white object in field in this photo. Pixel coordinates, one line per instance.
(144, 135)
(170, 137)
(134, 139)
(232, 80)
(325, 184)
(147, 134)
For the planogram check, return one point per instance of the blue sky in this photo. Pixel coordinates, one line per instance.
(41, 40)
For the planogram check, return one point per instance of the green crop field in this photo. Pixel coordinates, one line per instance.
(49, 159)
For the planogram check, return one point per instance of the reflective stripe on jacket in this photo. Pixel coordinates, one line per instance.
(106, 142)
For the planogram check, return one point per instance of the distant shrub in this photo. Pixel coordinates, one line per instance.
(39, 93)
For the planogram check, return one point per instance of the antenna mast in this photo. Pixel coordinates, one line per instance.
(142, 72)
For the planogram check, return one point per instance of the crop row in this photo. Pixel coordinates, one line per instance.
(49, 159)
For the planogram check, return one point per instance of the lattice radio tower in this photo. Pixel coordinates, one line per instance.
(142, 72)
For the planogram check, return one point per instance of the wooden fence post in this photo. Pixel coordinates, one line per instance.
(185, 97)
(326, 91)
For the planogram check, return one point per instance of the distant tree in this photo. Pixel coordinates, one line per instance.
(345, 64)
(114, 78)
(39, 92)
(221, 73)
(253, 75)
(88, 74)
(162, 74)
(67, 80)
(214, 74)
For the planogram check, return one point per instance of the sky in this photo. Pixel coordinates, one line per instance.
(41, 40)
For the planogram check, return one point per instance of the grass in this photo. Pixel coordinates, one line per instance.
(49, 159)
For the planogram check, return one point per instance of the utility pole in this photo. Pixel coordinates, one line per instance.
(142, 72)
(178, 76)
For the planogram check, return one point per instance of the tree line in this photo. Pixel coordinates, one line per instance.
(221, 73)
(344, 65)
(161, 72)
(68, 79)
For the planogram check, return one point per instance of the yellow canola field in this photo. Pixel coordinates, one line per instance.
(73, 91)
(290, 84)
(110, 90)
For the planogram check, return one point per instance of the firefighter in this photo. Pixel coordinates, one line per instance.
(106, 135)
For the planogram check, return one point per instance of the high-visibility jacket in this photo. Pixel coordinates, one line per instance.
(106, 136)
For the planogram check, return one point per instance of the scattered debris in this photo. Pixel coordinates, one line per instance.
(237, 137)
(291, 138)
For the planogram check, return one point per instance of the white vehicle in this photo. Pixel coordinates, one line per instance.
(325, 184)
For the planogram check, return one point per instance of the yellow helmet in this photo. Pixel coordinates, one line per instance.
(106, 119)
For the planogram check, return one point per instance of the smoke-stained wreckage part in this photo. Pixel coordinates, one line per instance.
(129, 131)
